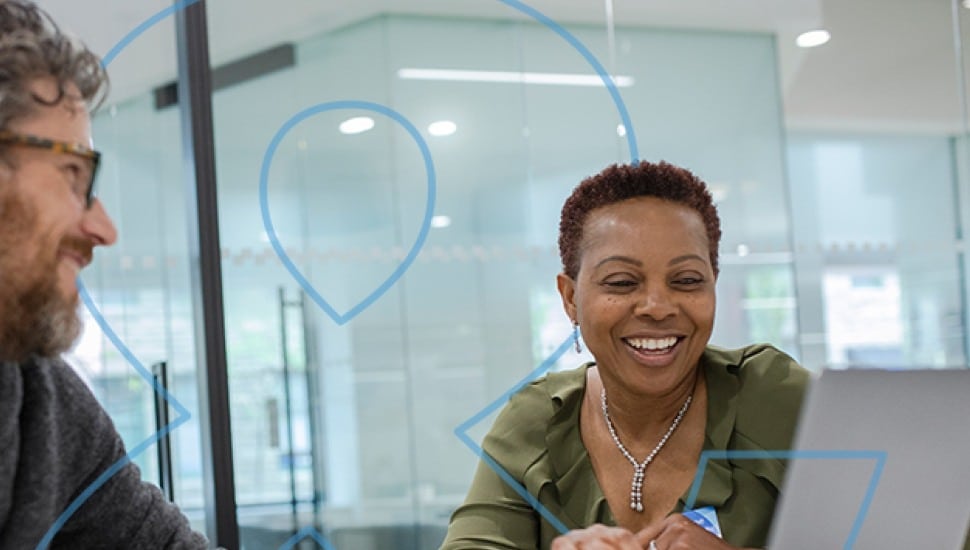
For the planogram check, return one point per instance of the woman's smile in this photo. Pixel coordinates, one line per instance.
(653, 352)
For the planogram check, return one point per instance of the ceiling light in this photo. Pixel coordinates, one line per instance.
(620, 130)
(442, 128)
(356, 125)
(719, 192)
(966, 4)
(504, 77)
(440, 221)
(811, 39)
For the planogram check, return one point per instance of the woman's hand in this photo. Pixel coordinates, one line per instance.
(600, 537)
(675, 532)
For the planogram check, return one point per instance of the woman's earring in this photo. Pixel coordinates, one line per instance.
(579, 348)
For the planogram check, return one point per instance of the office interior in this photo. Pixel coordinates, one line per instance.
(363, 329)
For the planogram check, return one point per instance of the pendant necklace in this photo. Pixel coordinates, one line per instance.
(636, 491)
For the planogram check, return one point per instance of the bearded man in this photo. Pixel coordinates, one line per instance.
(56, 441)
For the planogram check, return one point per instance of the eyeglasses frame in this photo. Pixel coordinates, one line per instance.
(60, 147)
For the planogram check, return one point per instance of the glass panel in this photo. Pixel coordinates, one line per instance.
(871, 167)
(961, 148)
(374, 399)
(875, 229)
(709, 101)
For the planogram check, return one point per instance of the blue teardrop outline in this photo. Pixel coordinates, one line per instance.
(342, 318)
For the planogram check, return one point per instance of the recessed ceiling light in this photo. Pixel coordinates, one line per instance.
(440, 221)
(356, 125)
(507, 77)
(442, 128)
(620, 130)
(814, 38)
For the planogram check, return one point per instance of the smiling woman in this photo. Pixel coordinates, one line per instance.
(610, 449)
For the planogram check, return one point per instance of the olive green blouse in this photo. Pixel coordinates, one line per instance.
(754, 395)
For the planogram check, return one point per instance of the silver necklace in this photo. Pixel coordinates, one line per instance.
(636, 491)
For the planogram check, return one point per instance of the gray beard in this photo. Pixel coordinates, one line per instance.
(35, 319)
(37, 322)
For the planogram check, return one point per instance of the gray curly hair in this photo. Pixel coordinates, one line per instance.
(32, 46)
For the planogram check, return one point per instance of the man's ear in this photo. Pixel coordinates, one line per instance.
(567, 291)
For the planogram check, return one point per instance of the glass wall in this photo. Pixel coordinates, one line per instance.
(876, 194)
(843, 213)
(352, 431)
(889, 273)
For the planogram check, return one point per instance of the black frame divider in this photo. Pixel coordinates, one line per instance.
(195, 93)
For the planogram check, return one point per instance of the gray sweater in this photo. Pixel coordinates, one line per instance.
(55, 440)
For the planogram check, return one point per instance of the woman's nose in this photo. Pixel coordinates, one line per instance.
(655, 302)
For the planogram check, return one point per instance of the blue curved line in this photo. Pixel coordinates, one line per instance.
(304, 533)
(125, 352)
(341, 318)
(631, 137)
(831, 454)
(147, 24)
(536, 373)
(183, 416)
(513, 483)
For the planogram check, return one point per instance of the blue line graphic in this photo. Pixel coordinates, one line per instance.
(830, 454)
(182, 417)
(147, 24)
(631, 136)
(341, 318)
(305, 533)
(461, 430)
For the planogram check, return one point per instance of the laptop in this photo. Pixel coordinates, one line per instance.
(881, 461)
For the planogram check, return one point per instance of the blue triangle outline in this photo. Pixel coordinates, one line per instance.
(182, 416)
(304, 533)
(814, 454)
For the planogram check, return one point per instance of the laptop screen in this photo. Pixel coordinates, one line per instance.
(881, 461)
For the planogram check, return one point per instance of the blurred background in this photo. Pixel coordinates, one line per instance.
(839, 170)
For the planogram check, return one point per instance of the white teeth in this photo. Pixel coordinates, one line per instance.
(653, 344)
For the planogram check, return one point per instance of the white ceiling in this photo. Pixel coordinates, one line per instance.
(890, 66)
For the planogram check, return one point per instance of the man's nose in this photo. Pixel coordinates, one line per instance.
(97, 225)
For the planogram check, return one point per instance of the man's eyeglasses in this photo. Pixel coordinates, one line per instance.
(83, 180)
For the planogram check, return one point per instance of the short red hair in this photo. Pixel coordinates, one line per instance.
(620, 182)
